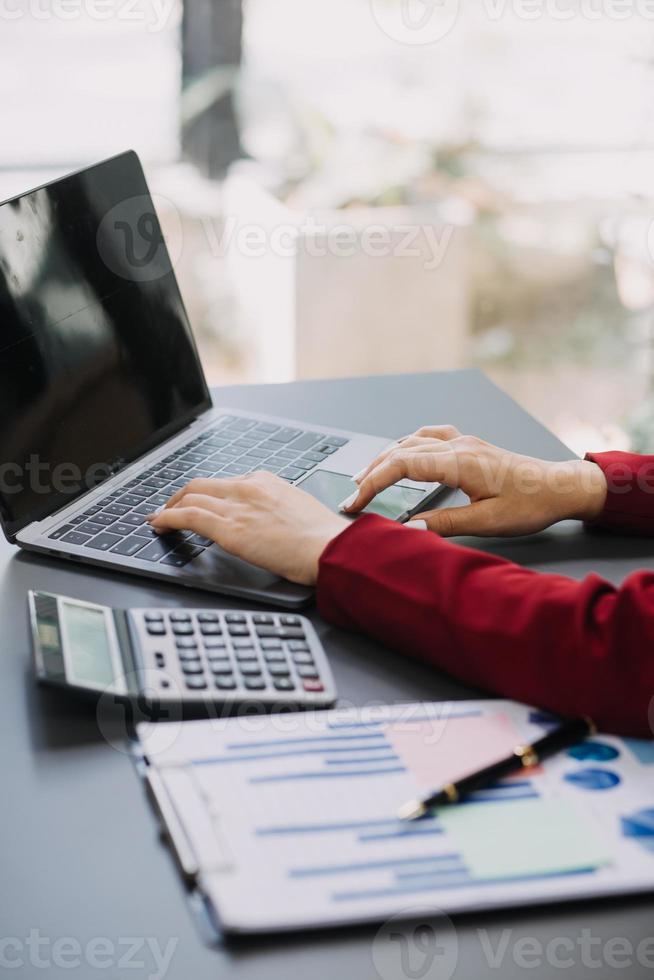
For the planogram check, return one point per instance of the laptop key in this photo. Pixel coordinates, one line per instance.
(286, 435)
(89, 528)
(235, 469)
(129, 546)
(181, 557)
(133, 520)
(266, 427)
(120, 527)
(104, 541)
(158, 500)
(202, 542)
(130, 500)
(156, 550)
(325, 449)
(292, 473)
(60, 531)
(118, 510)
(76, 537)
(306, 441)
(337, 441)
(259, 453)
(104, 519)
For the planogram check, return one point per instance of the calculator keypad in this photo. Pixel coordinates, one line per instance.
(205, 655)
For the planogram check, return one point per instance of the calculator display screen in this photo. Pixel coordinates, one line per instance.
(88, 651)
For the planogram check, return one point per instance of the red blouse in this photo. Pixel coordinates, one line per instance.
(571, 647)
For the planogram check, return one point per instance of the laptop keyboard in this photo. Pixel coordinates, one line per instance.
(232, 447)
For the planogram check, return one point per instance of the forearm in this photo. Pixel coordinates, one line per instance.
(573, 647)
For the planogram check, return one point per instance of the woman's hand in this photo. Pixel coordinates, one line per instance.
(259, 518)
(509, 494)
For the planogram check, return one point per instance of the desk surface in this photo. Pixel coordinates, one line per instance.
(81, 858)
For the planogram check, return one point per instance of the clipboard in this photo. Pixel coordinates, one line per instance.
(289, 822)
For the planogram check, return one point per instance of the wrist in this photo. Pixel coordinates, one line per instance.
(588, 490)
(316, 544)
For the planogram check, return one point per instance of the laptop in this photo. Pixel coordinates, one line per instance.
(106, 411)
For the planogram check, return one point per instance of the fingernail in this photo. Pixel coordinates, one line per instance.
(358, 477)
(417, 525)
(349, 501)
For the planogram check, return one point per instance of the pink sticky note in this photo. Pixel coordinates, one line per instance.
(444, 750)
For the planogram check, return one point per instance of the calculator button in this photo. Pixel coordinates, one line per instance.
(279, 670)
(156, 629)
(188, 657)
(309, 673)
(298, 645)
(153, 617)
(179, 617)
(283, 684)
(275, 656)
(208, 617)
(243, 643)
(235, 618)
(185, 643)
(245, 655)
(225, 683)
(250, 670)
(196, 683)
(182, 629)
(262, 619)
(290, 620)
(222, 669)
(271, 644)
(238, 630)
(193, 668)
(303, 658)
(210, 629)
(214, 643)
(254, 683)
(312, 686)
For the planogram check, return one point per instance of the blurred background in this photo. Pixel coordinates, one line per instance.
(360, 186)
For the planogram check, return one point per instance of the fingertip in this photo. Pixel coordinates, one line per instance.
(349, 502)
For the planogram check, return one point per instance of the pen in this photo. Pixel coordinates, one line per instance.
(523, 756)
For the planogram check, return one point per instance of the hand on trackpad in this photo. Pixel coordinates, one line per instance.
(332, 489)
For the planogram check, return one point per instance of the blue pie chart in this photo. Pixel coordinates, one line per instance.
(593, 779)
(640, 824)
(593, 752)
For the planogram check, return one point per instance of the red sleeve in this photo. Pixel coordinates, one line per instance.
(630, 498)
(571, 647)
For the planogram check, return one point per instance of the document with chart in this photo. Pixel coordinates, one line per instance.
(290, 820)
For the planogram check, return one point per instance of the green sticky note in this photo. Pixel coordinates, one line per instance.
(524, 837)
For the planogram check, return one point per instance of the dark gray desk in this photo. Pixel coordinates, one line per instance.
(80, 857)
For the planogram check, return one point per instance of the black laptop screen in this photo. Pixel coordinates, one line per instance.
(97, 360)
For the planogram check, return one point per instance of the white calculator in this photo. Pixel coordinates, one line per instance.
(179, 656)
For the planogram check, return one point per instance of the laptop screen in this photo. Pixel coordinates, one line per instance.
(97, 360)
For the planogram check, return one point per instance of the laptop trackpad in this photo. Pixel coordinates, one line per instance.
(332, 489)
